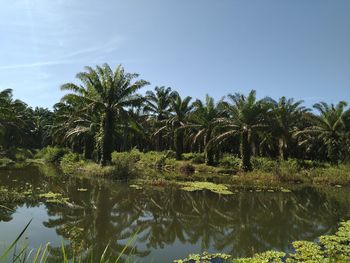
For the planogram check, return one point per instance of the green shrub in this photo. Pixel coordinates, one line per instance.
(263, 164)
(312, 164)
(51, 154)
(333, 175)
(70, 162)
(230, 162)
(134, 155)
(196, 158)
(4, 162)
(289, 171)
(170, 154)
(154, 159)
(123, 164)
(18, 154)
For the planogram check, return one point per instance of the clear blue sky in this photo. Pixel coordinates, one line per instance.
(297, 48)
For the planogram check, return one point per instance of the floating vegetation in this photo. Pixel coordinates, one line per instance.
(50, 195)
(198, 186)
(330, 248)
(55, 198)
(137, 187)
(82, 190)
(285, 190)
(205, 257)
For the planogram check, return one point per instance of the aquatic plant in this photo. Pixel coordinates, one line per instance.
(330, 248)
(198, 186)
(51, 197)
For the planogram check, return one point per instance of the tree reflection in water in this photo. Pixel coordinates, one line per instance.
(240, 224)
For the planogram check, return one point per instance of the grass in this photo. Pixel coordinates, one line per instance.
(163, 166)
(42, 254)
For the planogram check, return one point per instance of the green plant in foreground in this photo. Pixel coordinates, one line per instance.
(42, 254)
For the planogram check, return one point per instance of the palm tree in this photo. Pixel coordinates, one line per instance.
(201, 124)
(109, 94)
(158, 105)
(14, 117)
(181, 109)
(285, 118)
(244, 116)
(330, 127)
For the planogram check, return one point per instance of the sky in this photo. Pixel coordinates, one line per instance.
(293, 48)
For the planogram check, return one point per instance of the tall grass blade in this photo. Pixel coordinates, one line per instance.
(16, 257)
(126, 246)
(36, 257)
(104, 254)
(44, 253)
(2, 257)
(65, 260)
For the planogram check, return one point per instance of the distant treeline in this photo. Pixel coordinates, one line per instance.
(104, 113)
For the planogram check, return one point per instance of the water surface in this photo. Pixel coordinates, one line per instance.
(170, 223)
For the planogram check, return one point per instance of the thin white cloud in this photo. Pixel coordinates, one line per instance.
(36, 64)
(73, 57)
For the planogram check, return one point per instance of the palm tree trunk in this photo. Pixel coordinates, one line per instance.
(282, 149)
(88, 147)
(245, 152)
(107, 140)
(179, 144)
(209, 158)
(159, 142)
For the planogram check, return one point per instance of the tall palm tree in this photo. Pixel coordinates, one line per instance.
(109, 94)
(13, 118)
(181, 109)
(330, 127)
(201, 124)
(244, 116)
(158, 105)
(285, 118)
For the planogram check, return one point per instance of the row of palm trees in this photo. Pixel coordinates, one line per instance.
(105, 112)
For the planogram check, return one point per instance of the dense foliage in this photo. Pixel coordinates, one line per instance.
(104, 113)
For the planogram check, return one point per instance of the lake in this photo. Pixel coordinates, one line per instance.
(167, 223)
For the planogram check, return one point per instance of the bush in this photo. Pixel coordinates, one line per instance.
(51, 154)
(170, 154)
(334, 175)
(18, 154)
(155, 159)
(311, 164)
(5, 162)
(289, 171)
(123, 164)
(70, 162)
(230, 162)
(196, 158)
(263, 164)
(134, 155)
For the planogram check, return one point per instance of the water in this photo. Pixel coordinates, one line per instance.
(170, 223)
